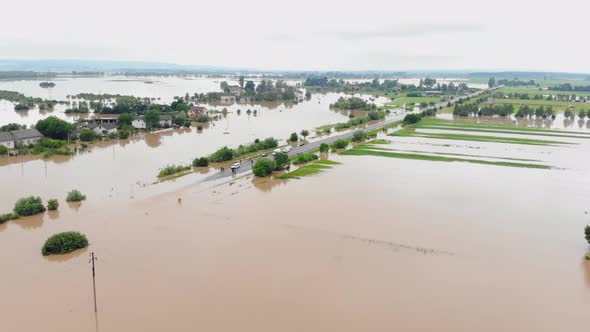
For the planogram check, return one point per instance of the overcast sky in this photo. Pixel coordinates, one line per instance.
(302, 35)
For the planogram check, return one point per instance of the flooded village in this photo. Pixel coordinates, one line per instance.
(352, 247)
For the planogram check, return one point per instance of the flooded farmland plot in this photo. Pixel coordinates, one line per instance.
(381, 241)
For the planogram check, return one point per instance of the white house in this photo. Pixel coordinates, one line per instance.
(7, 140)
(165, 120)
(103, 128)
(26, 136)
(139, 122)
(299, 96)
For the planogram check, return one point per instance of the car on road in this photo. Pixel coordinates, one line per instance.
(286, 149)
(302, 144)
(264, 155)
(276, 151)
(235, 166)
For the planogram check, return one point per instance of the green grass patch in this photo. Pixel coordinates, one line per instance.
(363, 152)
(379, 141)
(477, 138)
(399, 102)
(304, 158)
(472, 125)
(307, 170)
(501, 131)
(326, 162)
(558, 106)
(173, 169)
(447, 154)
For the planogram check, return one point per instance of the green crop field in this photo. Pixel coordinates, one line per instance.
(558, 106)
(477, 138)
(425, 157)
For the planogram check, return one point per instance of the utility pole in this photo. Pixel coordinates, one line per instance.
(92, 259)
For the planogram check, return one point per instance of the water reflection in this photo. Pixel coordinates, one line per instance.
(153, 140)
(586, 269)
(66, 257)
(266, 184)
(53, 214)
(31, 222)
(74, 205)
(202, 170)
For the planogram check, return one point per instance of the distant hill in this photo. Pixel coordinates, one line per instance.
(68, 66)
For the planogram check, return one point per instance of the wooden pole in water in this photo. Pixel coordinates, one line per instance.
(92, 259)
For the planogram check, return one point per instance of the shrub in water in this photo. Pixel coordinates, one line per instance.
(75, 196)
(587, 231)
(281, 160)
(172, 169)
(29, 206)
(201, 162)
(63, 243)
(221, 155)
(52, 204)
(87, 135)
(264, 167)
(8, 216)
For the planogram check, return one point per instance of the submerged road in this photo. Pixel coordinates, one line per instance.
(311, 146)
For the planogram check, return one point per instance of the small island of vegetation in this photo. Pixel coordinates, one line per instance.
(63, 243)
(354, 104)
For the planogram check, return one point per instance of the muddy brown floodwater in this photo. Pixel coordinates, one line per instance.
(373, 244)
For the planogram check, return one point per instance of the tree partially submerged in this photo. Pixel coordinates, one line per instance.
(29, 206)
(63, 243)
(75, 196)
(52, 204)
(201, 162)
(264, 167)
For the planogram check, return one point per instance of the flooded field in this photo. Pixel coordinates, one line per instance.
(125, 166)
(370, 244)
(375, 242)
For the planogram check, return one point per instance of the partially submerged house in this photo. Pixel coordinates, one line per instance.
(197, 110)
(26, 136)
(104, 128)
(227, 98)
(165, 120)
(6, 139)
(246, 99)
(139, 122)
(236, 90)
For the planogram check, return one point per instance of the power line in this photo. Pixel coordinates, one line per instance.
(92, 260)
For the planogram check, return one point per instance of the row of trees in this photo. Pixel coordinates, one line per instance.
(556, 97)
(466, 109)
(539, 112)
(226, 154)
(387, 85)
(569, 87)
